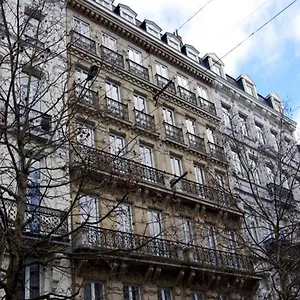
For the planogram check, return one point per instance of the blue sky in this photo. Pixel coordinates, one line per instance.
(271, 57)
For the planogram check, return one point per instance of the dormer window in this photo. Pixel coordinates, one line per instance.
(216, 69)
(190, 52)
(127, 13)
(192, 55)
(174, 43)
(105, 3)
(153, 31)
(247, 84)
(249, 88)
(214, 63)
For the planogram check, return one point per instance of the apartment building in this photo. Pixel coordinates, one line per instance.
(34, 182)
(155, 218)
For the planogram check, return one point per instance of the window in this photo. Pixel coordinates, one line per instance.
(270, 176)
(202, 92)
(116, 144)
(192, 55)
(212, 244)
(176, 166)
(164, 294)
(168, 116)
(173, 43)
(252, 228)
(85, 135)
(140, 103)
(187, 231)
(237, 163)
(161, 70)
(274, 140)
(105, 3)
(259, 133)
(210, 135)
(113, 91)
(216, 69)
(81, 27)
(221, 180)
(197, 296)
(199, 173)
(243, 126)
(109, 42)
(32, 282)
(255, 171)
(135, 55)
(84, 94)
(153, 31)
(31, 27)
(226, 116)
(127, 15)
(146, 154)
(156, 232)
(131, 292)
(249, 88)
(124, 218)
(232, 243)
(191, 126)
(89, 210)
(183, 81)
(93, 290)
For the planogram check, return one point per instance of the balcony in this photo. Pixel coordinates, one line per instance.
(207, 193)
(117, 109)
(174, 133)
(138, 70)
(162, 81)
(86, 96)
(207, 106)
(37, 121)
(136, 246)
(82, 41)
(41, 220)
(196, 143)
(112, 57)
(217, 152)
(144, 120)
(280, 193)
(187, 95)
(119, 166)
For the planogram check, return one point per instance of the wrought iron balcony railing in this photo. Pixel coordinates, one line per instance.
(40, 219)
(144, 120)
(117, 109)
(112, 57)
(187, 95)
(197, 143)
(138, 70)
(86, 96)
(217, 152)
(279, 192)
(114, 242)
(82, 41)
(120, 166)
(162, 81)
(207, 106)
(174, 133)
(36, 120)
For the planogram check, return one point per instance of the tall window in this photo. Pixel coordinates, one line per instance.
(202, 92)
(168, 116)
(89, 210)
(109, 42)
(162, 70)
(81, 27)
(140, 103)
(212, 244)
(80, 81)
(116, 144)
(187, 231)
(183, 81)
(191, 126)
(176, 165)
(32, 281)
(124, 218)
(85, 135)
(270, 176)
(131, 292)
(226, 116)
(153, 31)
(113, 91)
(146, 154)
(249, 88)
(93, 290)
(31, 27)
(243, 125)
(259, 133)
(199, 172)
(210, 135)
(135, 55)
(127, 15)
(164, 294)
(216, 69)
(156, 232)
(174, 43)
(255, 171)
(197, 296)
(237, 163)
(220, 179)
(274, 139)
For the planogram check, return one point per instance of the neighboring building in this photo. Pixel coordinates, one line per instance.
(34, 182)
(149, 117)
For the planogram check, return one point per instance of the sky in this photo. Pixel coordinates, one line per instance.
(271, 57)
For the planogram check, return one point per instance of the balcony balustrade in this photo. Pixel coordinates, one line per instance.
(162, 82)
(37, 120)
(41, 219)
(144, 120)
(117, 109)
(174, 133)
(187, 95)
(207, 106)
(197, 143)
(138, 70)
(114, 242)
(217, 152)
(280, 193)
(86, 96)
(82, 41)
(112, 57)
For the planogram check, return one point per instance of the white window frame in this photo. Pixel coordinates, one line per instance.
(237, 165)
(200, 174)
(255, 171)
(81, 27)
(191, 54)
(114, 142)
(124, 218)
(243, 126)
(135, 55)
(108, 41)
(153, 30)
(89, 210)
(274, 139)
(172, 42)
(134, 292)
(168, 115)
(109, 88)
(146, 153)
(202, 92)
(92, 287)
(140, 103)
(187, 231)
(87, 131)
(28, 281)
(32, 26)
(127, 15)
(162, 70)
(259, 133)
(183, 81)
(249, 88)
(176, 166)
(217, 69)
(105, 3)
(191, 126)
(226, 116)
(210, 135)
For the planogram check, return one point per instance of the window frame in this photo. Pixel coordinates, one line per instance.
(259, 133)
(153, 31)
(108, 41)
(161, 69)
(162, 294)
(226, 115)
(202, 92)
(28, 281)
(91, 138)
(178, 160)
(173, 43)
(151, 156)
(244, 130)
(93, 290)
(132, 287)
(128, 15)
(116, 137)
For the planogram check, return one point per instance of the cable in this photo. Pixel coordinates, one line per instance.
(194, 14)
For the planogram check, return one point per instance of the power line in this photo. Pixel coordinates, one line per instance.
(194, 14)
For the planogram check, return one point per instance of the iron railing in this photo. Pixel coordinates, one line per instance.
(187, 95)
(279, 192)
(197, 143)
(138, 70)
(86, 96)
(82, 41)
(162, 82)
(112, 57)
(114, 242)
(117, 109)
(217, 152)
(120, 166)
(174, 133)
(207, 106)
(144, 120)
(40, 219)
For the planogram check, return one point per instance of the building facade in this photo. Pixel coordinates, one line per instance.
(154, 213)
